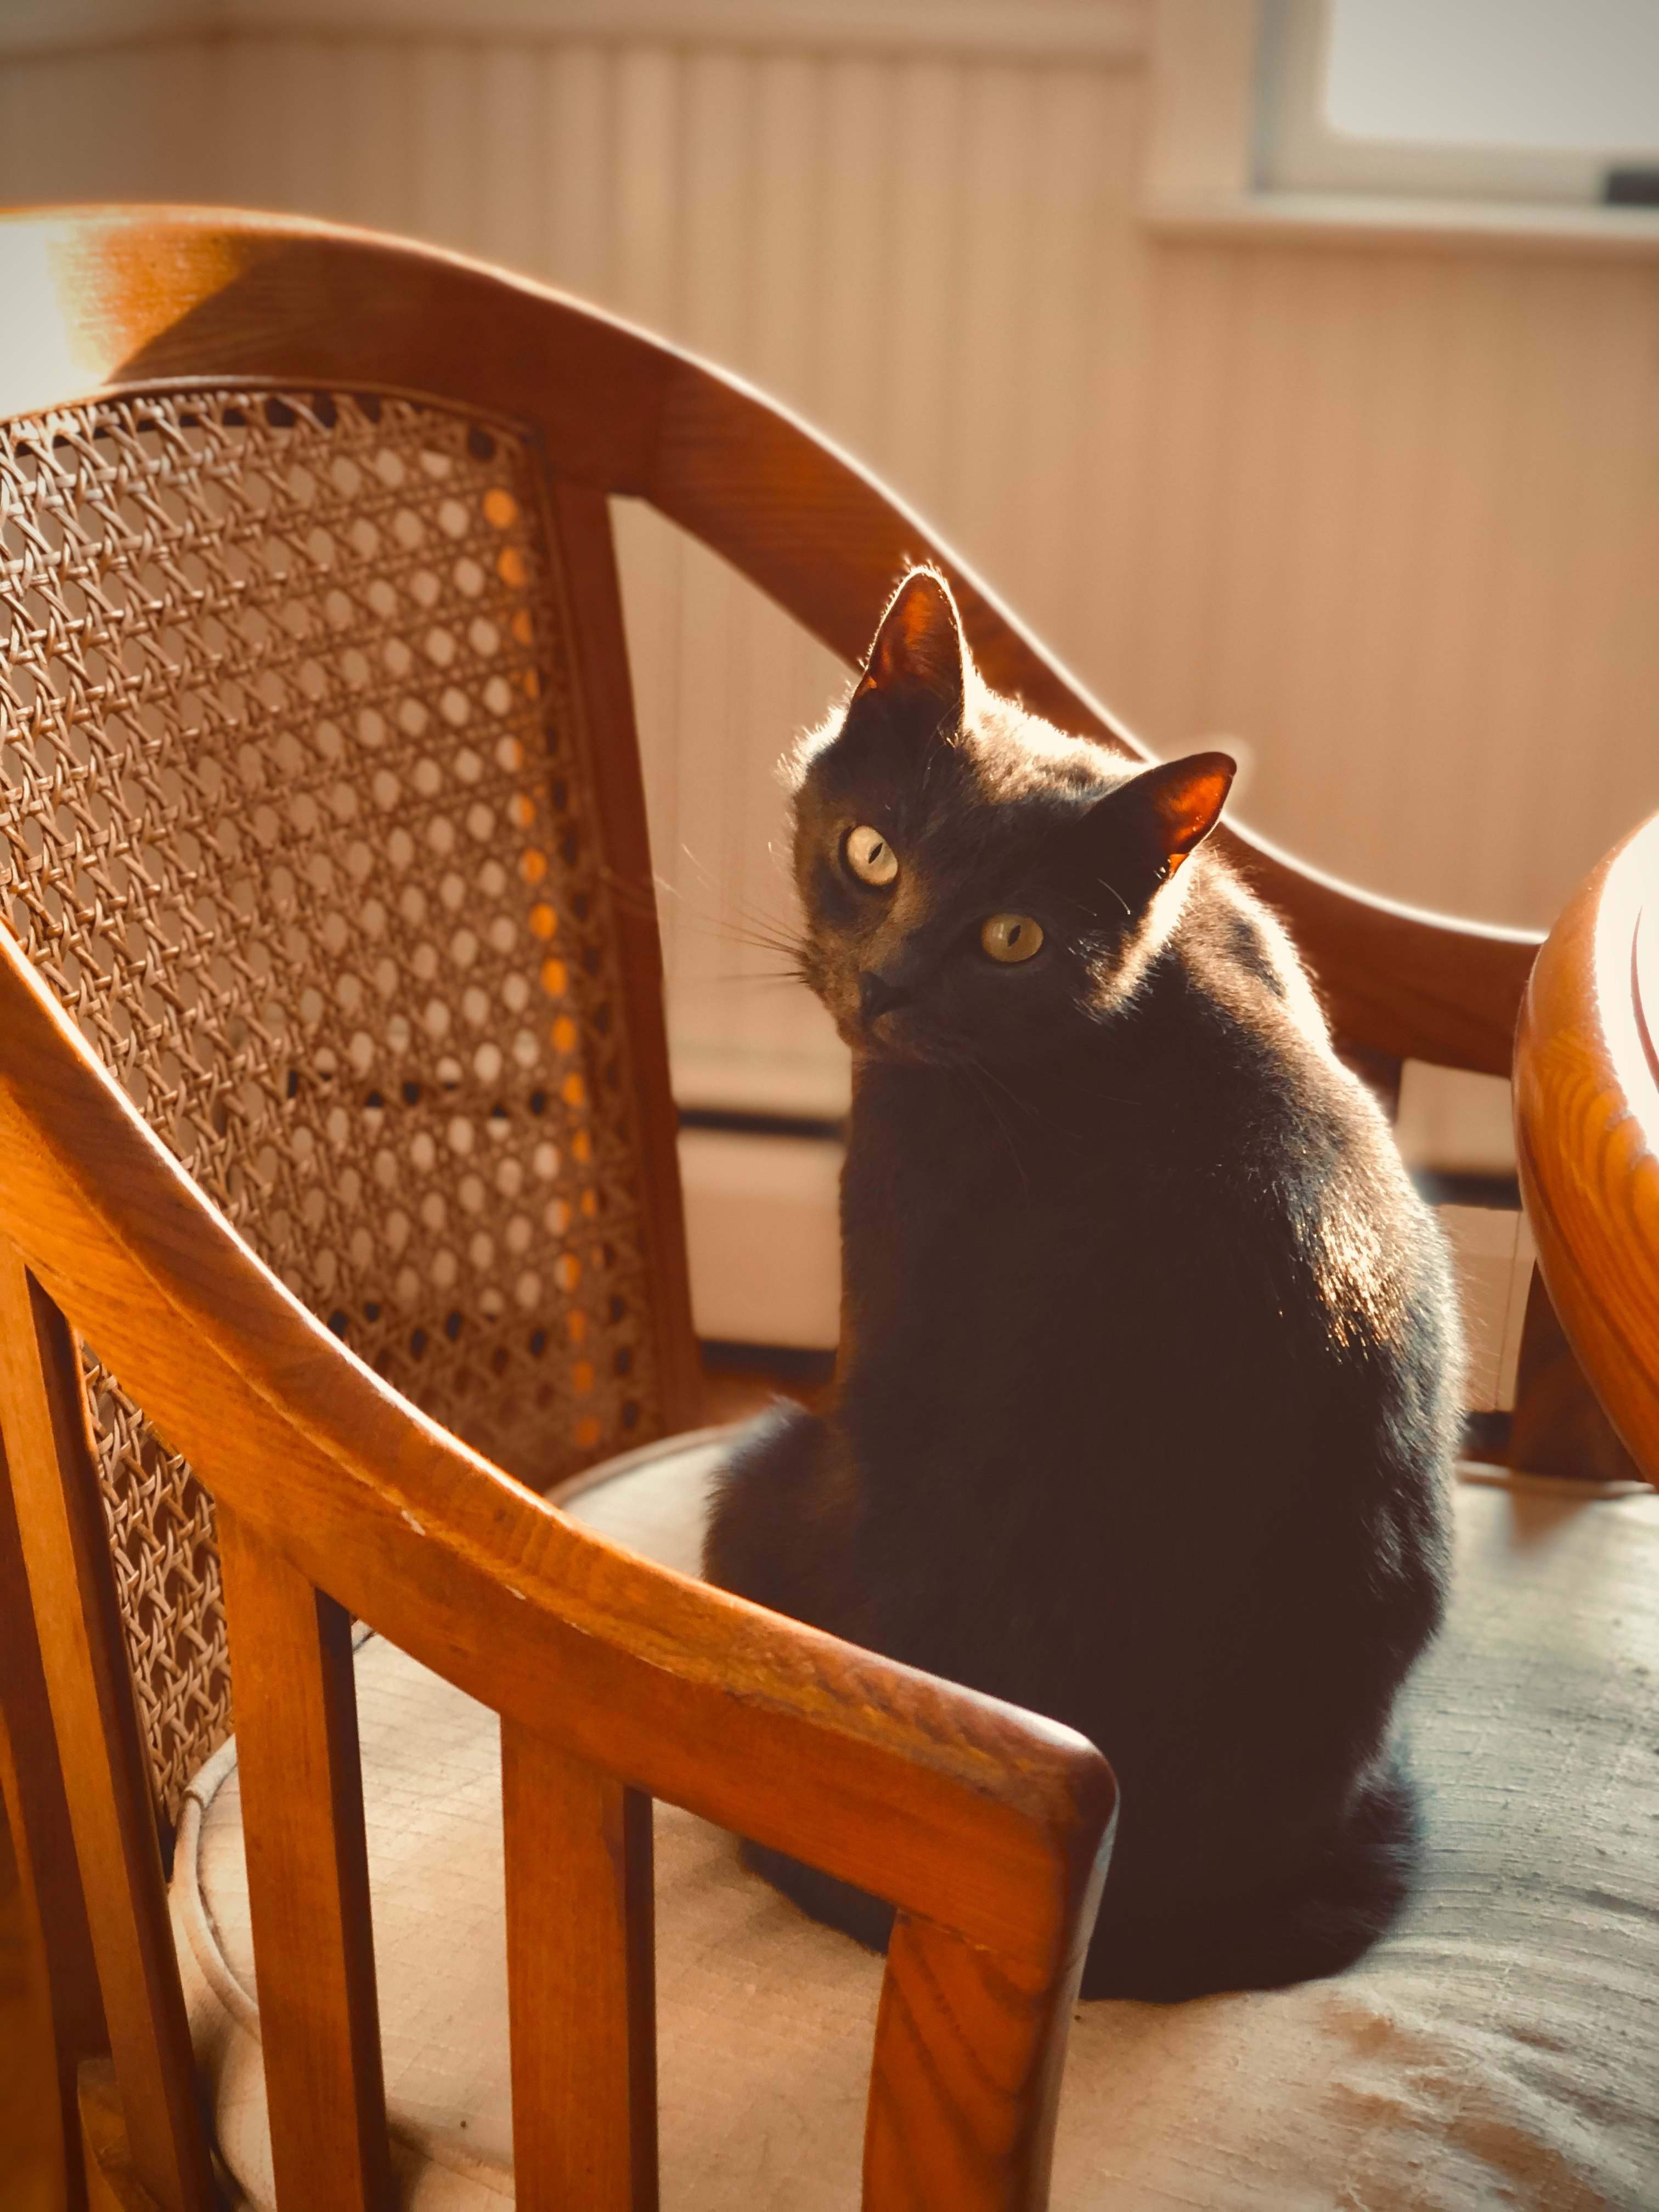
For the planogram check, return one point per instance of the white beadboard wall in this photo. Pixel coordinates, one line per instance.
(1386, 514)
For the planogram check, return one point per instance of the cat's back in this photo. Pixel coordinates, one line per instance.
(1244, 1043)
(1336, 1264)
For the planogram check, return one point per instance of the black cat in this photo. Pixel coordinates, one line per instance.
(1148, 1386)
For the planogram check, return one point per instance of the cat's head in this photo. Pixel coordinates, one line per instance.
(977, 887)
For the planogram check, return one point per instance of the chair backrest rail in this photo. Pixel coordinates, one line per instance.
(307, 1875)
(581, 1966)
(165, 296)
(106, 1772)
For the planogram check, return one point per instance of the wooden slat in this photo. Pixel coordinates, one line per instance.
(37, 1812)
(970, 2050)
(106, 1773)
(112, 2182)
(580, 518)
(307, 1873)
(581, 1982)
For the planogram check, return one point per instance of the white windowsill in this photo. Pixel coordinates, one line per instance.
(1350, 219)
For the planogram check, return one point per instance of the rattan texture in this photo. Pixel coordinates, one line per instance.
(293, 816)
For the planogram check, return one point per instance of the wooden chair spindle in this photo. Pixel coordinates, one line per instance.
(581, 1982)
(307, 1875)
(970, 2051)
(65, 1550)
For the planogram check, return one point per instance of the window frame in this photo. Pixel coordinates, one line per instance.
(1297, 150)
(1204, 173)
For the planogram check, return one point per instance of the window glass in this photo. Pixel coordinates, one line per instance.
(1565, 75)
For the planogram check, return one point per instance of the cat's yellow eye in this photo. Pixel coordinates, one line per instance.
(870, 856)
(1011, 937)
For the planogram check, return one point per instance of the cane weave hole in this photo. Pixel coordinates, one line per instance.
(293, 816)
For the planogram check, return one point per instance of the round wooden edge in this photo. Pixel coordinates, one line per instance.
(1587, 1127)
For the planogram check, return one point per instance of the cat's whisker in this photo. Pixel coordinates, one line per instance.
(1128, 911)
(727, 931)
(781, 946)
(727, 906)
(976, 1070)
(780, 977)
(1029, 1107)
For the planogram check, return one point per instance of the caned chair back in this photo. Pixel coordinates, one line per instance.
(297, 815)
(329, 1002)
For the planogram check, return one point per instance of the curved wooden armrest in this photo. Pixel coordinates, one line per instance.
(984, 1819)
(987, 1826)
(1587, 1131)
(115, 297)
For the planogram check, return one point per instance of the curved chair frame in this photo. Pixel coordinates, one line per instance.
(1587, 1131)
(615, 1680)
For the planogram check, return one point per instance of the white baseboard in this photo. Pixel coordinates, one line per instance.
(1493, 1253)
(763, 1223)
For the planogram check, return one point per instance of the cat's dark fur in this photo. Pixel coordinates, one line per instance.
(1148, 1386)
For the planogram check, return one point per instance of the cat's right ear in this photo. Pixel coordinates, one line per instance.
(918, 651)
(1168, 810)
(1181, 801)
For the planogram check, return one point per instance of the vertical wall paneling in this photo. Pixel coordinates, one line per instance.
(447, 143)
(576, 129)
(380, 144)
(512, 180)
(1388, 515)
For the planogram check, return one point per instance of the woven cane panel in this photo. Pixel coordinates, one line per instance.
(166, 1577)
(293, 815)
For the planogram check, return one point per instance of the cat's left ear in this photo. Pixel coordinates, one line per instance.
(918, 648)
(1180, 802)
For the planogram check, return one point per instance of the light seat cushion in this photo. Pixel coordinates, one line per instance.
(1501, 2048)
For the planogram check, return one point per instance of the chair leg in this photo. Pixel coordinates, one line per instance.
(1558, 1427)
(113, 2183)
(38, 1814)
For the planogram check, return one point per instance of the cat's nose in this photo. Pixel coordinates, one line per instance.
(877, 996)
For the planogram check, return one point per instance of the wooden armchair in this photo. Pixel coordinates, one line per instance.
(334, 941)
(339, 1190)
